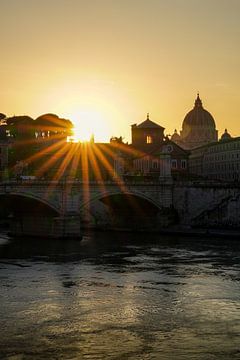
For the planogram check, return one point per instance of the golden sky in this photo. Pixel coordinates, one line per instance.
(106, 63)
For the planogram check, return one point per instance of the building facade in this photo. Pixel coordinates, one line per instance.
(147, 135)
(152, 151)
(219, 160)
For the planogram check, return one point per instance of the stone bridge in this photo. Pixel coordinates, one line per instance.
(61, 209)
(208, 204)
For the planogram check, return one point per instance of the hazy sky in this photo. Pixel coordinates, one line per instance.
(106, 63)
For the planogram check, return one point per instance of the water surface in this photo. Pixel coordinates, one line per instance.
(120, 296)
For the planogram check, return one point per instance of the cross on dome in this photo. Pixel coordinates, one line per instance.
(198, 101)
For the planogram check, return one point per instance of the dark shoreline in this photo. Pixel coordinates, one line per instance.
(180, 231)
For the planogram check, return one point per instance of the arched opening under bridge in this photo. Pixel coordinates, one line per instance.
(131, 212)
(27, 216)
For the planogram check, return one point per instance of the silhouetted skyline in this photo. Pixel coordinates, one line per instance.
(104, 64)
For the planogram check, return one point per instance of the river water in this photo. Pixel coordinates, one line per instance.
(120, 296)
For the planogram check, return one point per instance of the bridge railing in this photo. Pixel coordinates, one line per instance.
(80, 182)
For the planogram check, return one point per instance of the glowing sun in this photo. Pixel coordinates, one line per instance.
(89, 124)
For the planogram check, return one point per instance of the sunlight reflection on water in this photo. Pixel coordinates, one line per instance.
(120, 297)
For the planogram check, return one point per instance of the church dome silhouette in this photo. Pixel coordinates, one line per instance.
(198, 127)
(198, 117)
(225, 136)
(175, 136)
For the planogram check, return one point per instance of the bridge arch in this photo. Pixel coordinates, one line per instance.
(128, 210)
(136, 194)
(33, 198)
(28, 215)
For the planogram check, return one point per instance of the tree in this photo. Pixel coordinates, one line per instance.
(2, 116)
(20, 127)
(49, 124)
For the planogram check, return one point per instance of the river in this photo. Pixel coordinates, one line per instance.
(120, 296)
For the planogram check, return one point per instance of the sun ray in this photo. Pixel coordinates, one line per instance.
(123, 188)
(55, 180)
(95, 165)
(52, 159)
(64, 165)
(40, 155)
(96, 169)
(108, 166)
(131, 200)
(75, 161)
(48, 149)
(125, 148)
(85, 180)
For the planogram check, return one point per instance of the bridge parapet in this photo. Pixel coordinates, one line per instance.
(69, 196)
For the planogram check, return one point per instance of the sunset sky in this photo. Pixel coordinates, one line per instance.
(105, 63)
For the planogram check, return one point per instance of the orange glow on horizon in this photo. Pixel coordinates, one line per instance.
(122, 74)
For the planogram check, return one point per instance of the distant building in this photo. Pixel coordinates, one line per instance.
(147, 135)
(151, 149)
(219, 160)
(198, 128)
(194, 152)
(208, 157)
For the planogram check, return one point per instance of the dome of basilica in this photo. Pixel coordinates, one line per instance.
(198, 127)
(198, 117)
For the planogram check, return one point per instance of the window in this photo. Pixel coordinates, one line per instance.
(183, 164)
(149, 139)
(174, 164)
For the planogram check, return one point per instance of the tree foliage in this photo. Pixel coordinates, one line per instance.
(20, 126)
(2, 116)
(53, 124)
(28, 136)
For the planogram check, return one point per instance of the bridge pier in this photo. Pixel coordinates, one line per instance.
(67, 226)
